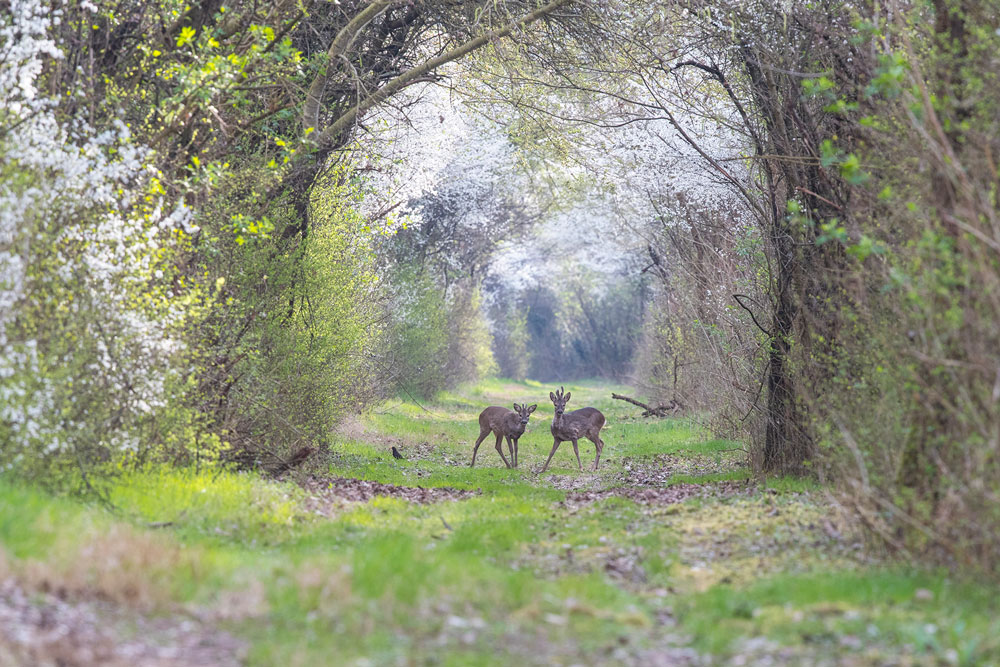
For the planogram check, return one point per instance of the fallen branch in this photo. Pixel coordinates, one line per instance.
(649, 411)
(295, 460)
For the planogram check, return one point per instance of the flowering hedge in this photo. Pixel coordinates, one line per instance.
(91, 321)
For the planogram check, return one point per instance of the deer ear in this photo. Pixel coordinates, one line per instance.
(531, 408)
(517, 407)
(552, 397)
(568, 394)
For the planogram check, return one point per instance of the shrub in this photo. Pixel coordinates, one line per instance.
(92, 353)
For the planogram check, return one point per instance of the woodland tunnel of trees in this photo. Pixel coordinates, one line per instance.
(224, 226)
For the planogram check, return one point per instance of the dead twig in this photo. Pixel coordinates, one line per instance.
(650, 411)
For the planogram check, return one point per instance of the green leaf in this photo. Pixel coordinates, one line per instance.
(186, 36)
(850, 169)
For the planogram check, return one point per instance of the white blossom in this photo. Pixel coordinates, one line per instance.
(70, 201)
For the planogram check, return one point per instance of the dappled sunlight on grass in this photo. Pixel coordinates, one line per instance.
(205, 498)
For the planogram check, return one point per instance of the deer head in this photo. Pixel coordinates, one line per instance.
(559, 400)
(523, 411)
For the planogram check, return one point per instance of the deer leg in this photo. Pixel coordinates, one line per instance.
(515, 452)
(576, 450)
(500, 450)
(510, 450)
(555, 446)
(599, 446)
(482, 436)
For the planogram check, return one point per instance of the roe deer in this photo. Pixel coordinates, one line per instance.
(583, 423)
(503, 423)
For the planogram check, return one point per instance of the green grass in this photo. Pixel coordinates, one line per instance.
(929, 615)
(790, 484)
(517, 573)
(451, 425)
(362, 578)
(209, 503)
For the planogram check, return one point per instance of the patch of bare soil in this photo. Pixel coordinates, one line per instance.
(661, 496)
(544, 649)
(656, 470)
(42, 629)
(415, 451)
(576, 482)
(328, 492)
(624, 565)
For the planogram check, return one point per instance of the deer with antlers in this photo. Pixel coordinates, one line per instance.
(583, 423)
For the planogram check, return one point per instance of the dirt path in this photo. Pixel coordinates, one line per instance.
(327, 494)
(663, 495)
(41, 629)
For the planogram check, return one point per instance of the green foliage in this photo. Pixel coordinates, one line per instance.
(470, 354)
(313, 317)
(420, 332)
(439, 338)
(819, 87)
(511, 343)
(848, 164)
(96, 308)
(895, 338)
(889, 76)
(243, 226)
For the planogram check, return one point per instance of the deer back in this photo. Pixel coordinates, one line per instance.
(582, 423)
(500, 420)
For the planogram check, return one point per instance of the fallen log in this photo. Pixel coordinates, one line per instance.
(650, 411)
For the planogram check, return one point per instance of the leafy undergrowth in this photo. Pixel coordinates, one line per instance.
(669, 554)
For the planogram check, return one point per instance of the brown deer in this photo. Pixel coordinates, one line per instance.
(583, 423)
(503, 423)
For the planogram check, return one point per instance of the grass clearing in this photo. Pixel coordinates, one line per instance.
(514, 573)
(917, 615)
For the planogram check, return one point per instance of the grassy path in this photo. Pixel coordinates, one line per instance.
(668, 555)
